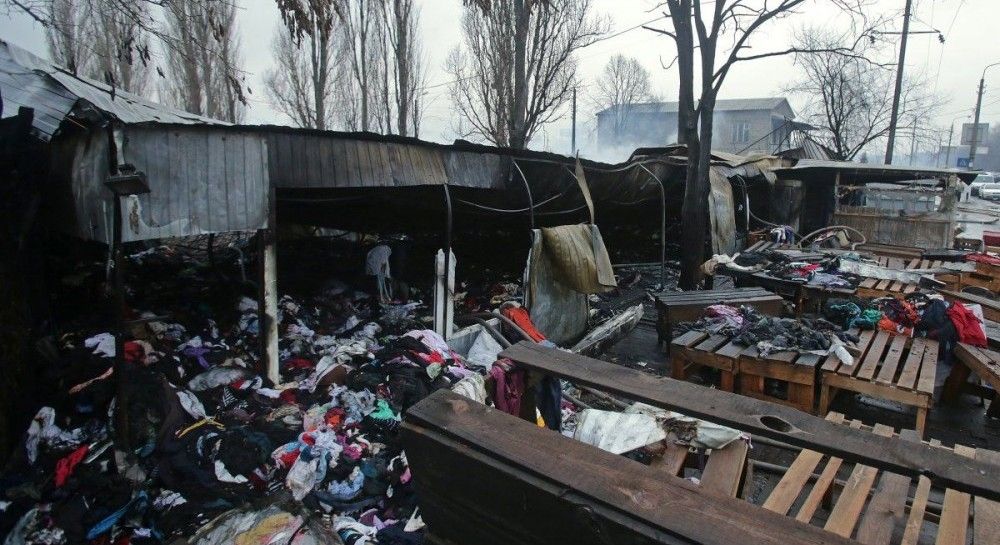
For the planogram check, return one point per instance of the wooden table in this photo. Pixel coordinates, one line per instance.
(685, 306)
(696, 348)
(985, 364)
(895, 368)
(877, 507)
(795, 370)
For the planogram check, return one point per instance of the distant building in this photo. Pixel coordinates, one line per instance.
(744, 126)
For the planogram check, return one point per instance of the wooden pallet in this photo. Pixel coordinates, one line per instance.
(873, 288)
(895, 368)
(795, 371)
(683, 306)
(881, 508)
(696, 349)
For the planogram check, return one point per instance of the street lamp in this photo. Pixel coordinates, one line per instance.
(975, 124)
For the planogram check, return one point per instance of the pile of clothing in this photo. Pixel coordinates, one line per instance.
(824, 274)
(745, 326)
(194, 441)
(915, 315)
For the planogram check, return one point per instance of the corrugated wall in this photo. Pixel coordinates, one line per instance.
(202, 180)
(301, 161)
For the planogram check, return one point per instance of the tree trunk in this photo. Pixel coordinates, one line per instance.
(517, 137)
(402, 66)
(687, 122)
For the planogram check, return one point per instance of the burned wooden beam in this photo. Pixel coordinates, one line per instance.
(486, 477)
(943, 468)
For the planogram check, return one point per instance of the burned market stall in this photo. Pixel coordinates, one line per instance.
(888, 204)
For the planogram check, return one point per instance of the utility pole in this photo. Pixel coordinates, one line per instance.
(975, 122)
(573, 151)
(947, 153)
(899, 84)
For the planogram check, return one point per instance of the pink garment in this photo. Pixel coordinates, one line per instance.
(508, 386)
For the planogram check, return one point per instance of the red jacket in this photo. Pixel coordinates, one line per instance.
(970, 331)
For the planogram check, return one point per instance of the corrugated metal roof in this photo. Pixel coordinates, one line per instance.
(721, 105)
(30, 81)
(869, 172)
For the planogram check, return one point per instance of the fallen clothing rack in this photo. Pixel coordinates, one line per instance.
(944, 468)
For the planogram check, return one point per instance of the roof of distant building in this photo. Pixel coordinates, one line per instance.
(721, 105)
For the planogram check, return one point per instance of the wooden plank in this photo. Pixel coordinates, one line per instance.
(724, 469)
(925, 264)
(984, 363)
(913, 263)
(456, 444)
(689, 339)
(928, 369)
(915, 521)
(955, 510)
(911, 367)
(910, 288)
(882, 285)
(868, 283)
(711, 343)
(790, 486)
(822, 485)
(867, 368)
(986, 524)
(864, 340)
(852, 499)
(887, 373)
(672, 460)
(761, 418)
(885, 511)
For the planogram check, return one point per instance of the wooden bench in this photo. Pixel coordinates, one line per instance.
(882, 508)
(895, 368)
(795, 372)
(684, 306)
(484, 477)
(696, 348)
(985, 364)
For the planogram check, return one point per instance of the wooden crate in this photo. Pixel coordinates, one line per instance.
(695, 349)
(895, 368)
(882, 508)
(683, 306)
(797, 372)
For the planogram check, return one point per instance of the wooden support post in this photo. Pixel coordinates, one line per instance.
(267, 304)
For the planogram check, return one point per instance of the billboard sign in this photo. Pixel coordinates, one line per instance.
(984, 129)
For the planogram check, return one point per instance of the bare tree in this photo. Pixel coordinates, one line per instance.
(67, 32)
(363, 34)
(849, 99)
(304, 81)
(203, 59)
(125, 29)
(92, 39)
(724, 30)
(517, 66)
(405, 74)
(623, 82)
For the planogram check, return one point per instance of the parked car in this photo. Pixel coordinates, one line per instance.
(990, 192)
(980, 181)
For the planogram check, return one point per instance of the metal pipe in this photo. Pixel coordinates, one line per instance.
(527, 190)
(489, 328)
(663, 226)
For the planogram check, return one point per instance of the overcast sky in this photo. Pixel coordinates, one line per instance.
(953, 68)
